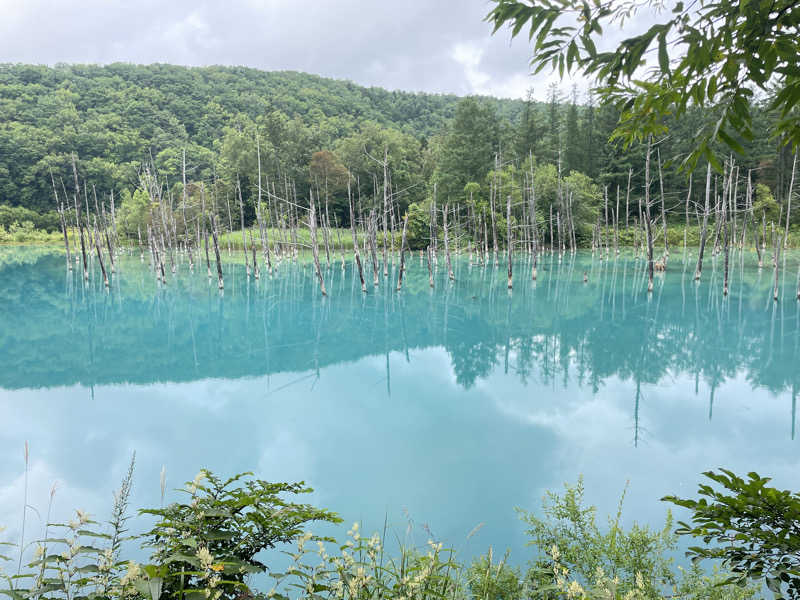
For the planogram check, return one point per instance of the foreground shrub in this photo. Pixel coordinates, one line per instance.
(209, 545)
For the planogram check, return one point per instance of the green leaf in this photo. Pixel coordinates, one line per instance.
(663, 56)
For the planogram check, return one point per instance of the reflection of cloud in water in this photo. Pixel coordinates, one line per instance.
(677, 440)
(486, 399)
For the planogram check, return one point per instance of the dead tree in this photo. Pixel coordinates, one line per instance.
(205, 230)
(244, 237)
(508, 241)
(355, 237)
(775, 260)
(447, 244)
(185, 199)
(99, 254)
(726, 240)
(216, 243)
(312, 227)
(63, 221)
(703, 230)
(648, 221)
(789, 202)
(80, 221)
(402, 255)
(663, 208)
(430, 269)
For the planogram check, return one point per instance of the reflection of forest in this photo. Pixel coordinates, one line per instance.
(57, 332)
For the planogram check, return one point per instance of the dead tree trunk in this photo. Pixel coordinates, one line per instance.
(80, 221)
(253, 250)
(355, 237)
(402, 255)
(628, 198)
(775, 261)
(185, 226)
(312, 226)
(244, 236)
(789, 202)
(99, 254)
(686, 229)
(663, 209)
(447, 244)
(725, 241)
(205, 230)
(216, 244)
(63, 221)
(704, 227)
(508, 241)
(534, 243)
(372, 233)
(430, 269)
(262, 227)
(648, 221)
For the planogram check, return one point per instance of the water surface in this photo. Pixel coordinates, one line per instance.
(447, 406)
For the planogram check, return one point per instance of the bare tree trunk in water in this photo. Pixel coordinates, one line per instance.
(508, 240)
(789, 202)
(686, 229)
(244, 237)
(775, 260)
(312, 226)
(216, 243)
(726, 240)
(402, 255)
(628, 198)
(663, 209)
(63, 221)
(648, 222)
(447, 244)
(253, 250)
(355, 237)
(99, 254)
(78, 218)
(205, 230)
(185, 227)
(430, 269)
(371, 235)
(704, 228)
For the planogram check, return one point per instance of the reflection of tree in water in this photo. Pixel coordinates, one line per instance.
(557, 332)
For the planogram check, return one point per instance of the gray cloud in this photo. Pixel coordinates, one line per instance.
(420, 45)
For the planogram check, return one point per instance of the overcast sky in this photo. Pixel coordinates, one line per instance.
(416, 45)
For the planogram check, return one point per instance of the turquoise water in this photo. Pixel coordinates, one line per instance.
(446, 407)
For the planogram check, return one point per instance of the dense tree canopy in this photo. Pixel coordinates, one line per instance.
(715, 54)
(124, 121)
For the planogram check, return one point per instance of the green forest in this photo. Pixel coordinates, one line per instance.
(124, 121)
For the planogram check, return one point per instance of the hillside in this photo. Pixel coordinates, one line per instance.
(115, 116)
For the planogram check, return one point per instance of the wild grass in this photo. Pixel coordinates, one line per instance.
(338, 238)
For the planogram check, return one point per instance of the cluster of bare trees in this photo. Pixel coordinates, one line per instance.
(193, 224)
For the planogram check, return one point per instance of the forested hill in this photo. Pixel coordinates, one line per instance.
(300, 132)
(115, 116)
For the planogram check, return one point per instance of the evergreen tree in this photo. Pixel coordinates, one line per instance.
(531, 128)
(589, 139)
(469, 148)
(573, 150)
(553, 124)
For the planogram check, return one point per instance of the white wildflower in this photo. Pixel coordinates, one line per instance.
(555, 553)
(639, 581)
(133, 573)
(206, 560)
(198, 479)
(574, 590)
